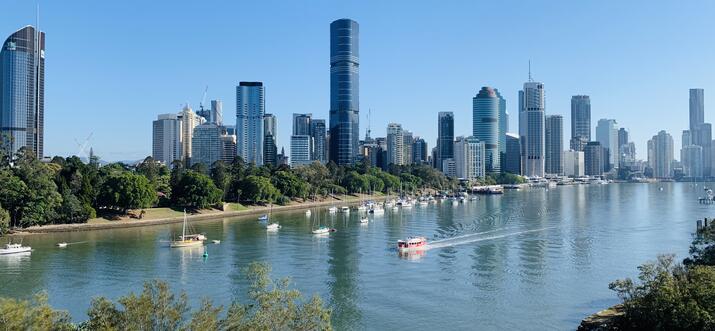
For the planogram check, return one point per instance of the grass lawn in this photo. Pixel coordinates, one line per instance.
(236, 207)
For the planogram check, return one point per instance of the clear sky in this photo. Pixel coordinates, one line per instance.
(113, 66)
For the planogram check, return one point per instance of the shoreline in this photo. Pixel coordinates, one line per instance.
(201, 216)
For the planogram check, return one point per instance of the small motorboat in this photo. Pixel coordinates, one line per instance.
(455, 202)
(364, 220)
(345, 209)
(308, 212)
(216, 241)
(362, 208)
(377, 210)
(333, 210)
(323, 230)
(407, 205)
(62, 244)
(412, 244)
(263, 218)
(14, 249)
(273, 227)
(424, 203)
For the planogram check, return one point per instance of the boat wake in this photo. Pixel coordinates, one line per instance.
(475, 237)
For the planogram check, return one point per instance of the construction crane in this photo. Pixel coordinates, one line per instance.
(83, 146)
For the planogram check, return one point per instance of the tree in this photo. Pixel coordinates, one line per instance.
(355, 182)
(289, 184)
(126, 190)
(72, 210)
(152, 170)
(220, 175)
(13, 196)
(4, 221)
(259, 189)
(34, 314)
(195, 190)
(42, 198)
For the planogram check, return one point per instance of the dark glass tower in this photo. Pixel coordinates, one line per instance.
(22, 91)
(344, 91)
(445, 137)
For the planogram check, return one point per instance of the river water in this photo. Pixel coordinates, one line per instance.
(531, 259)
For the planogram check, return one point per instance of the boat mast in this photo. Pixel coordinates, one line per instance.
(183, 231)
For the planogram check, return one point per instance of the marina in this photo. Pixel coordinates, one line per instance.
(528, 258)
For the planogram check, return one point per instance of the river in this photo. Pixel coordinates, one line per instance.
(531, 259)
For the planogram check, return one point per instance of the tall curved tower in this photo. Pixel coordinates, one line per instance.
(22, 91)
(344, 91)
(485, 125)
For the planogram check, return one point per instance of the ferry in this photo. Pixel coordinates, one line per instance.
(411, 244)
(14, 249)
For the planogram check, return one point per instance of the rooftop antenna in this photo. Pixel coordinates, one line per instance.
(530, 79)
(367, 133)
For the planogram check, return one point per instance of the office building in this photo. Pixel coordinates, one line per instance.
(607, 135)
(531, 128)
(627, 154)
(469, 158)
(445, 137)
(660, 155)
(513, 154)
(407, 140)
(217, 112)
(395, 144)
(622, 137)
(228, 147)
(270, 140)
(207, 145)
(250, 108)
(300, 146)
(593, 159)
(22, 92)
(166, 139)
(318, 131)
(691, 157)
(344, 91)
(554, 138)
(503, 129)
(574, 163)
(697, 108)
(419, 151)
(580, 120)
(301, 124)
(449, 168)
(485, 125)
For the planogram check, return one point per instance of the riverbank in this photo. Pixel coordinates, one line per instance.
(159, 216)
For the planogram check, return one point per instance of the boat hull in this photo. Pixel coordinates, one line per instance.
(15, 251)
(180, 244)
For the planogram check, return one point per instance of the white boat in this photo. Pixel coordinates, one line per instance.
(14, 249)
(345, 209)
(362, 208)
(323, 230)
(62, 245)
(188, 240)
(273, 227)
(377, 210)
(424, 203)
(308, 212)
(263, 218)
(216, 241)
(412, 244)
(407, 205)
(455, 202)
(395, 208)
(333, 210)
(364, 220)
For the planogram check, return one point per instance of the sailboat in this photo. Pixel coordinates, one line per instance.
(188, 240)
(321, 229)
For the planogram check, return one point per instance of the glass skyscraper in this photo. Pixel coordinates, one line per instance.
(486, 127)
(580, 121)
(445, 138)
(554, 141)
(250, 108)
(531, 128)
(22, 91)
(344, 91)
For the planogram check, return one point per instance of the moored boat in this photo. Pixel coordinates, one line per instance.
(333, 210)
(345, 209)
(62, 245)
(188, 240)
(263, 218)
(364, 220)
(411, 244)
(14, 249)
(273, 227)
(323, 230)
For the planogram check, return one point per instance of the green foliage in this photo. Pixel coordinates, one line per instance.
(259, 190)
(38, 197)
(354, 182)
(668, 296)
(289, 184)
(4, 221)
(34, 314)
(273, 305)
(507, 178)
(195, 190)
(124, 190)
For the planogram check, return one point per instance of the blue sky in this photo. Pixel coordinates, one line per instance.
(113, 66)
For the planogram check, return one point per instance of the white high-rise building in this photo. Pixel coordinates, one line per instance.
(300, 147)
(469, 158)
(691, 158)
(189, 120)
(395, 144)
(607, 135)
(574, 163)
(166, 139)
(531, 128)
(207, 146)
(250, 108)
(660, 155)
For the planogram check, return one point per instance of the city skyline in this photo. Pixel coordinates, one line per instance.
(176, 81)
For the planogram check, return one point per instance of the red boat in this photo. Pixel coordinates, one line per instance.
(412, 244)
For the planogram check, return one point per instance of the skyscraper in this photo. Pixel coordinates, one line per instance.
(300, 150)
(270, 146)
(691, 157)
(319, 133)
(531, 128)
(503, 128)
(217, 112)
(407, 140)
(622, 137)
(207, 145)
(513, 154)
(445, 137)
(593, 158)
(395, 144)
(250, 108)
(228, 147)
(485, 125)
(580, 120)
(22, 91)
(660, 155)
(344, 91)
(419, 151)
(469, 157)
(166, 139)
(554, 137)
(700, 132)
(573, 163)
(189, 120)
(607, 135)
(301, 124)
(697, 108)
